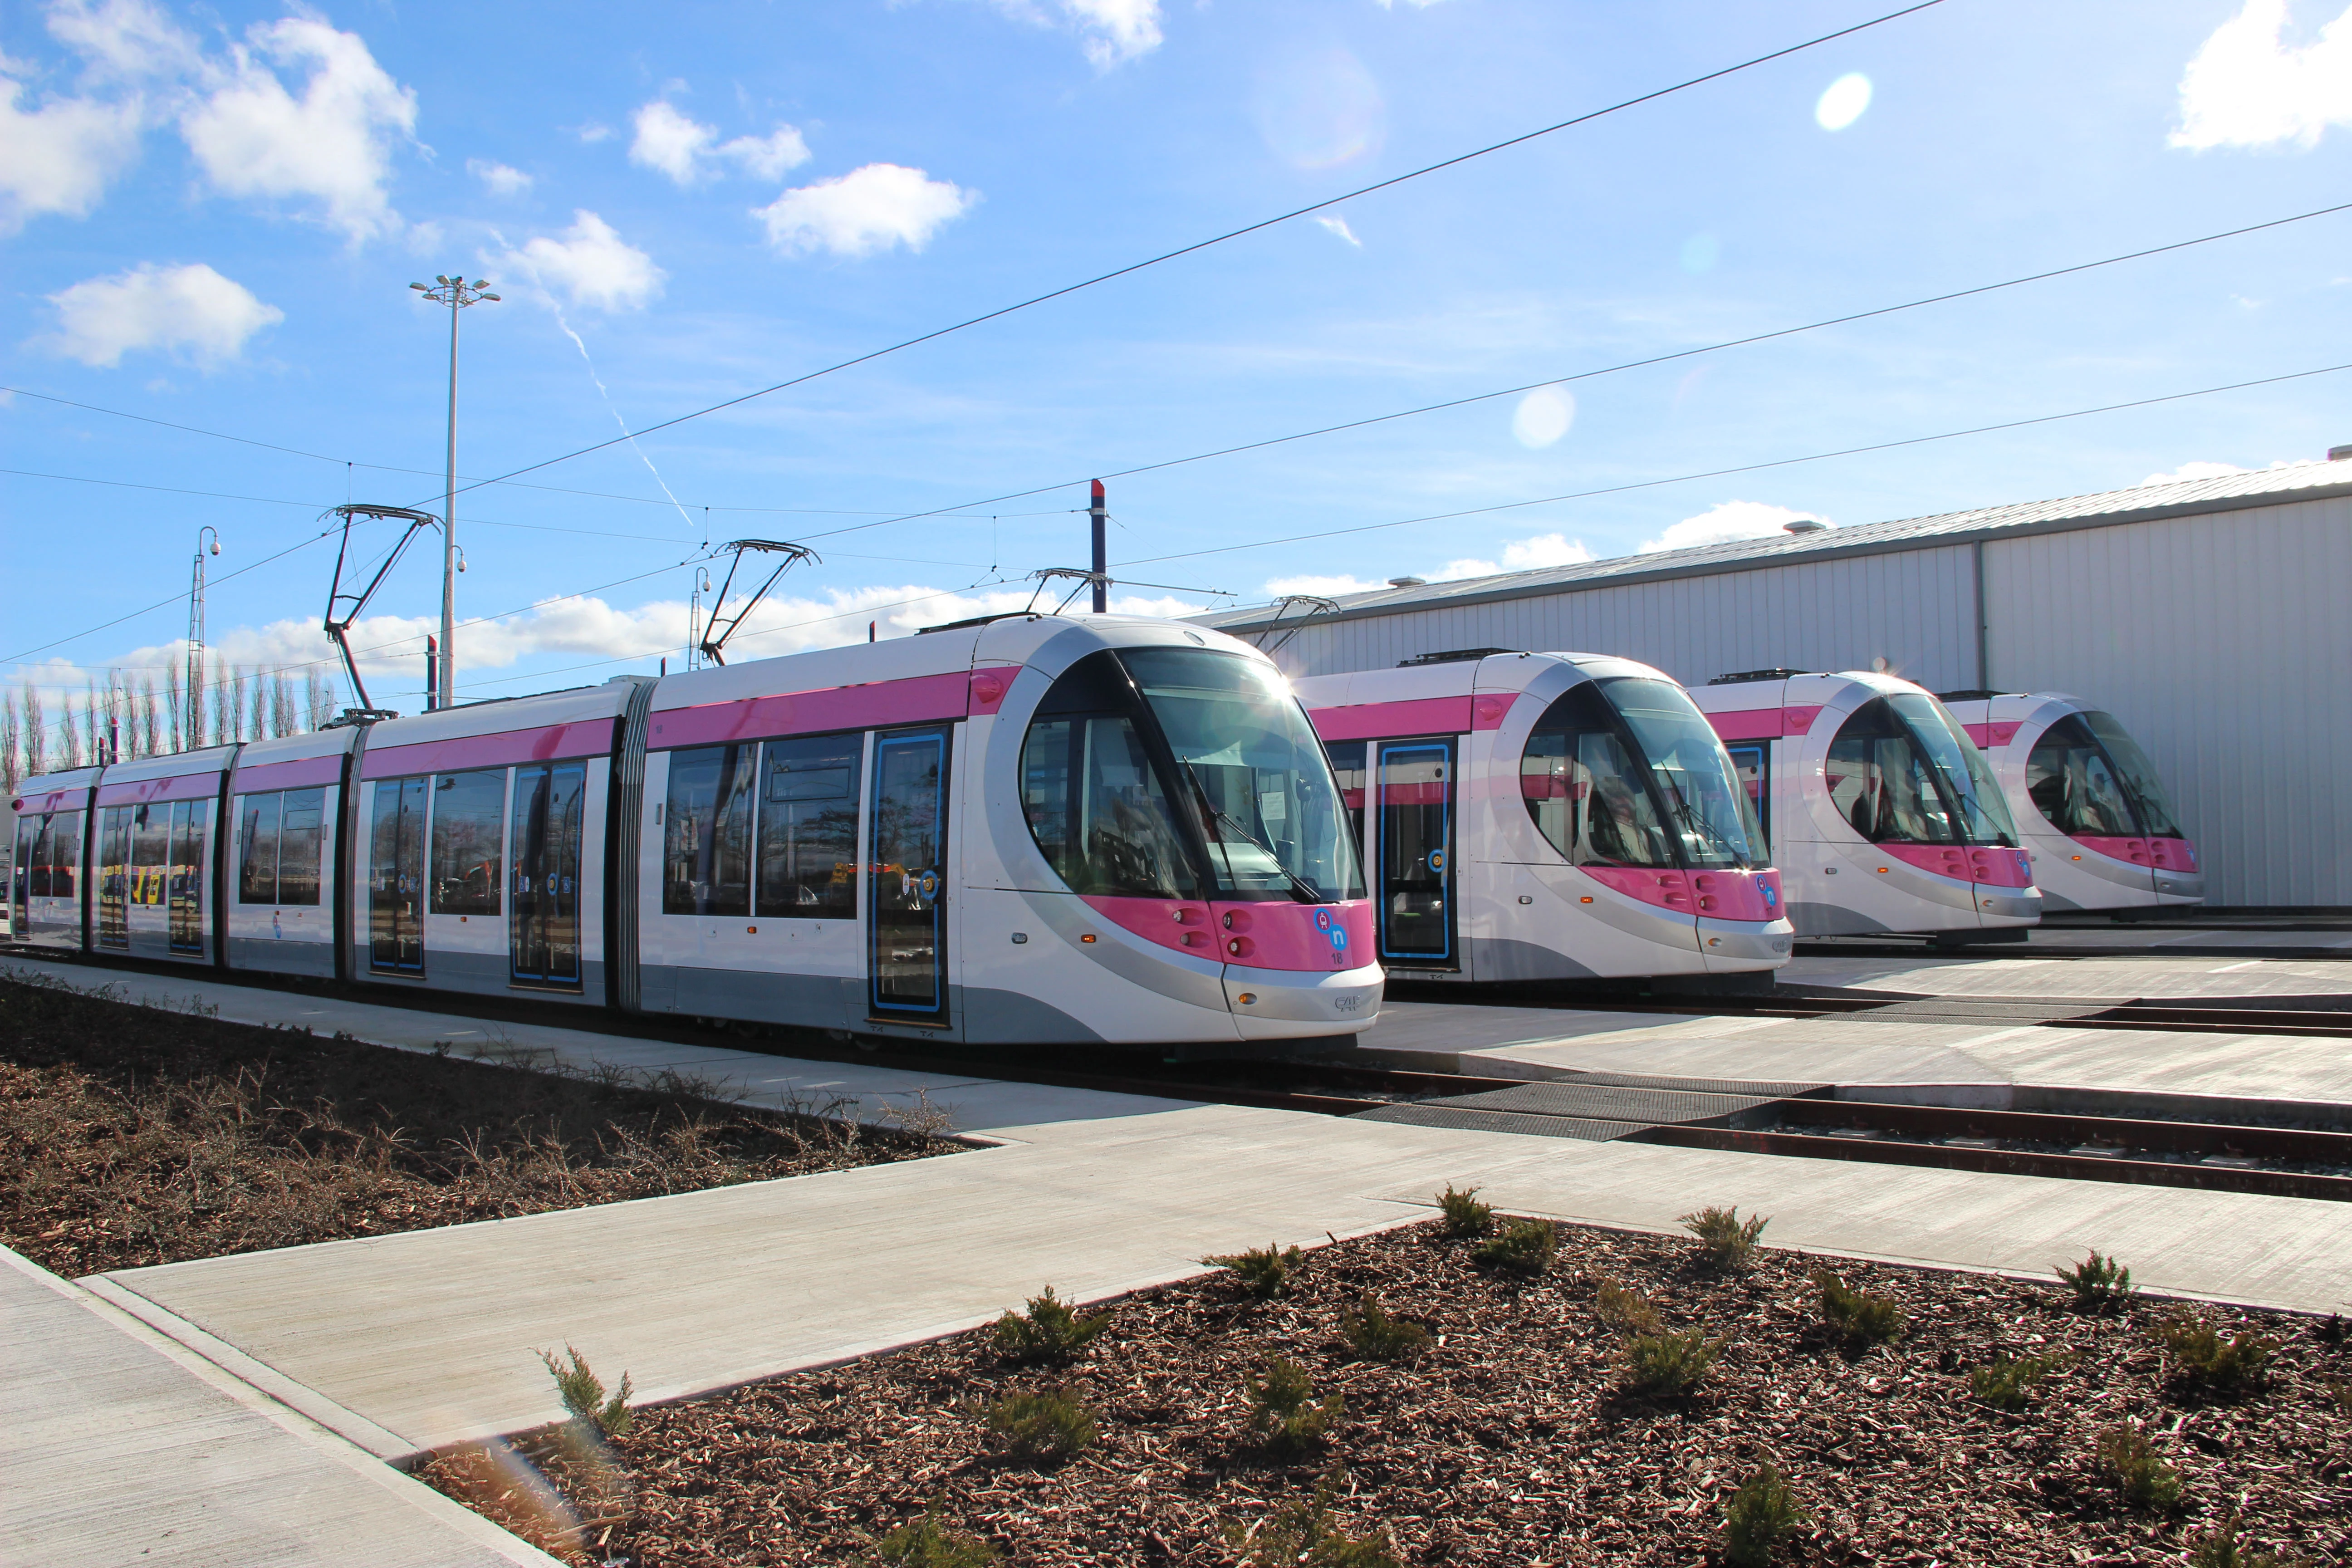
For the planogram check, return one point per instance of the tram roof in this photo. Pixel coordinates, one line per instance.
(2139, 503)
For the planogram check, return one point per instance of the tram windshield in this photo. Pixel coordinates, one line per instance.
(1902, 772)
(1627, 772)
(2089, 777)
(1182, 772)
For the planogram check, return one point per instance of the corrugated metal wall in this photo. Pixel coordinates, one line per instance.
(2223, 644)
(2222, 641)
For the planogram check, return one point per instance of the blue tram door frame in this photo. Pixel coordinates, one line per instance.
(906, 880)
(1414, 786)
(1752, 759)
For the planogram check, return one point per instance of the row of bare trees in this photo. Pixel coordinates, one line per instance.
(132, 714)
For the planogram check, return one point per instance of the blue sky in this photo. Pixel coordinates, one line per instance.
(212, 217)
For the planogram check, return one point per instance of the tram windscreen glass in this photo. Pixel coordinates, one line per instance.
(2149, 803)
(1705, 801)
(2070, 781)
(1248, 758)
(1584, 786)
(1901, 772)
(1099, 809)
(1967, 777)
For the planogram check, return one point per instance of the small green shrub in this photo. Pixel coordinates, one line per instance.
(1285, 1414)
(1669, 1364)
(1761, 1514)
(1857, 1314)
(2100, 1284)
(1376, 1334)
(582, 1393)
(925, 1543)
(1304, 1533)
(1052, 1425)
(2003, 1384)
(1465, 1216)
(2203, 1356)
(1627, 1311)
(2220, 1548)
(1050, 1330)
(1726, 1242)
(1522, 1246)
(2138, 1471)
(1264, 1271)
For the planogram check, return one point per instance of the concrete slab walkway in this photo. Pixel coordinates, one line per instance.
(121, 1446)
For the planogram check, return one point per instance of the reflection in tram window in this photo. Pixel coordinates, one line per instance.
(2149, 803)
(280, 833)
(1416, 805)
(151, 852)
(468, 864)
(396, 877)
(1257, 777)
(114, 877)
(707, 832)
(543, 933)
(1585, 788)
(1099, 809)
(185, 886)
(1900, 772)
(57, 857)
(808, 827)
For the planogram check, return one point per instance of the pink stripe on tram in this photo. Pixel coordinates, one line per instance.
(146, 791)
(54, 800)
(1747, 723)
(588, 738)
(298, 774)
(1385, 721)
(877, 704)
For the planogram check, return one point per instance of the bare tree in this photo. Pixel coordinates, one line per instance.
(37, 733)
(174, 715)
(10, 734)
(318, 696)
(150, 718)
(196, 706)
(68, 738)
(258, 700)
(226, 703)
(91, 735)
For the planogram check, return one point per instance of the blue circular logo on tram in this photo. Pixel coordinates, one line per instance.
(1322, 920)
(1339, 939)
(1437, 859)
(929, 884)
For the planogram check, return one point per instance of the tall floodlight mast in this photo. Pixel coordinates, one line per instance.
(194, 736)
(456, 293)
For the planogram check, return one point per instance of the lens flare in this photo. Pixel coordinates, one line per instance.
(1543, 417)
(1319, 109)
(1843, 101)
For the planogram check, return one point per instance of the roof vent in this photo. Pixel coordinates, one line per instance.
(2338, 454)
(1803, 525)
(1408, 582)
(1739, 676)
(1452, 656)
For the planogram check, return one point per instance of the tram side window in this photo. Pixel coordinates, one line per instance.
(469, 813)
(1347, 771)
(256, 875)
(1880, 783)
(808, 827)
(281, 833)
(57, 857)
(1748, 761)
(1099, 810)
(1585, 789)
(150, 853)
(707, 832)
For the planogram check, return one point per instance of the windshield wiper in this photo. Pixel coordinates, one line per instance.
(1690, 818)
(1301, 890)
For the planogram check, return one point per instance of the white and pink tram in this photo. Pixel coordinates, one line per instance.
(1027, 829)
(1539, 816)
(1880, 813)
(2089, 803)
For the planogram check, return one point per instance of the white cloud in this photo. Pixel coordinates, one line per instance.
(1727, 520)
(1543, 417)
(1113, 32)
(129, 40)
(682, 148)
(332, 144)
(2246, 87)
(2194, 471)
(866, 210)
(1338, 226)
(1524, 555)
(502, 180)
(58, 157)
(1843, 101)
(593, 132)
(590, 263)
(189, 310)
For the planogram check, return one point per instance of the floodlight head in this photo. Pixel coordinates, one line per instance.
(492, 298)
(440, 278)
(418, 287)
(216, 547)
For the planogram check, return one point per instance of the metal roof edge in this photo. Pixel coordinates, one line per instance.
(1826, 552)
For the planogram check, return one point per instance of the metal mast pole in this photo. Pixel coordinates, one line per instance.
(1102, 553)
(449, 527)
(193, 729)
(456, 293)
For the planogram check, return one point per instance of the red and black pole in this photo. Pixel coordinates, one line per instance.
(1102, 553)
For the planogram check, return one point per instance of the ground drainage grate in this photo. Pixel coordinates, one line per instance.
(1596, 1106)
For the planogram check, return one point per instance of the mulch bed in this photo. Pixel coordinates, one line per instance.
(1512, 1441)
(134, 1135)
